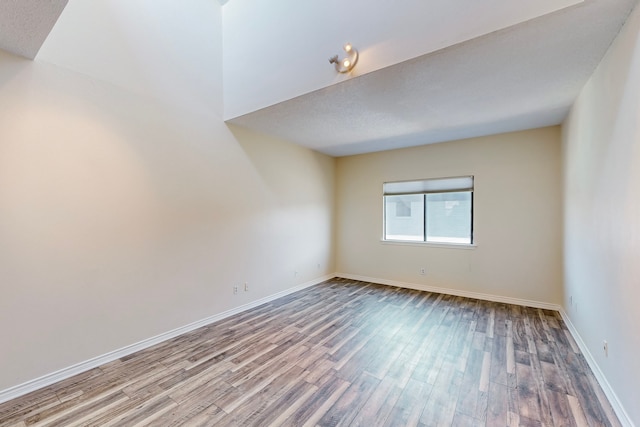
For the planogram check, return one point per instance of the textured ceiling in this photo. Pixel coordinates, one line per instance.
(277, 50)
(25, 24)
(522, 77)
(525, 76)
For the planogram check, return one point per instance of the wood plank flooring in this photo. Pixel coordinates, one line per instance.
(336, 354)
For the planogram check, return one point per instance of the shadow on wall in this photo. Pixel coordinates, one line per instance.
(281, 165)
(10, 67)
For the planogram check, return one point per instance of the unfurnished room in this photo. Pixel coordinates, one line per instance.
(288, 213)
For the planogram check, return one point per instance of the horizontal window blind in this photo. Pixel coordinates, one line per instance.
(424, 186)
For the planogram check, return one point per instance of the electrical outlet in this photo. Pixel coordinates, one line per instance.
(423, 271)
(571, 300)
(246, 287)
(295, 274)
(318, 266)
(235, 289)
(605, 347)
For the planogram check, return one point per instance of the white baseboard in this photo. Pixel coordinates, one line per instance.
(624, 418)
(458, 293)
(46, 380)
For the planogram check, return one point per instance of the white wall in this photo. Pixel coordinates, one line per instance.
(602, 215)
(517, 216)
(278, 49)
(163, 49)
(123, 217)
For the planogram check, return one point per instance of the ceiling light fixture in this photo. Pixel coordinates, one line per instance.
(346, 64)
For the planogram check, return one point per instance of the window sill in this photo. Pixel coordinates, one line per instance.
(463, 246)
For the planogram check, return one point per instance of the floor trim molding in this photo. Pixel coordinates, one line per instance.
(46, 380)
(456, 292)
(623, 417)
(62, 374)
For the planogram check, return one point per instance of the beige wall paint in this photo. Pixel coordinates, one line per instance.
(602, 215)
(121, 218)
(517, 216)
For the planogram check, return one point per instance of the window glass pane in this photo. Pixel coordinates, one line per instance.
(404, 217)
(449, 217)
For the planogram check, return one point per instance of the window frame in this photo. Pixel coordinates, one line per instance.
(422, 187)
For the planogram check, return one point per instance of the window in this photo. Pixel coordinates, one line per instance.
(403, 208)
(430, 210)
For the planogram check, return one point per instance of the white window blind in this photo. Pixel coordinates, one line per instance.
(424, 186)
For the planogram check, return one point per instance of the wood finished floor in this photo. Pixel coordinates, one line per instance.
(342, 353)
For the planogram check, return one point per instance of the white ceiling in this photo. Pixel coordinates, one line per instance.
(25, 24)
(522, 77)
(276, 50)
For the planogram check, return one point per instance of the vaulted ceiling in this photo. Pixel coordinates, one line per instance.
(525, 76)
(25, 24)
(473, 70)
